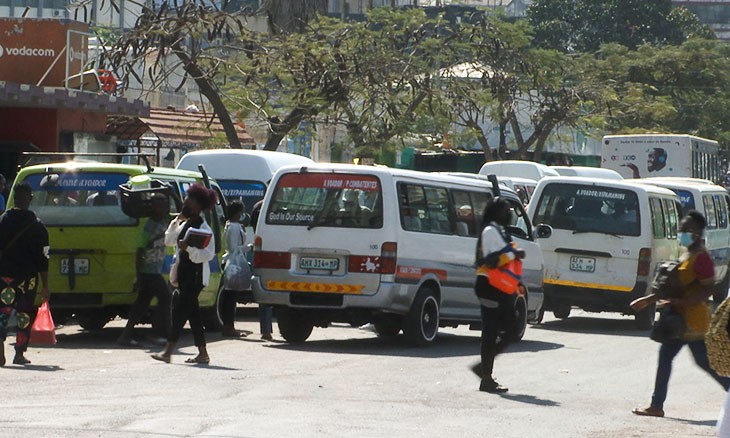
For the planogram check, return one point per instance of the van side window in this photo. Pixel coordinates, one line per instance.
(465, 224)
(721, 209)
(414, 215)
(710, 214)
(518, 223)
(657, 218)
(437, 200)
(479, 201)
(670, 218)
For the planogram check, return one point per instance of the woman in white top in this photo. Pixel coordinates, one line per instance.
(235, 237)
(191, 272)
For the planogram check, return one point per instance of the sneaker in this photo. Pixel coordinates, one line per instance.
(492, 387)
(649, 412)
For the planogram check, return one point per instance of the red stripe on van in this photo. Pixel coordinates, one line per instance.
(415, 272)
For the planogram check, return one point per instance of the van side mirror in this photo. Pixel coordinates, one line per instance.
(543, 231)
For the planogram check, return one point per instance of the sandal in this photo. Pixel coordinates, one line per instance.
(198, 360)
(161, 357)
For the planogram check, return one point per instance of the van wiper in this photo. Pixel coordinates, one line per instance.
(593, 230)
(317, 221)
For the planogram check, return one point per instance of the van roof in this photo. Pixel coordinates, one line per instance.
(684, 183)
(624, 184)
(241, 164)
(88, 166)
(592, 172)
(465, 179)
(517, 168)
(608, 137)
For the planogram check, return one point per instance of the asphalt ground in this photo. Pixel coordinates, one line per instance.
(575, 378)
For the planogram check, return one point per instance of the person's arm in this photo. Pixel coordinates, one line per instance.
(43, 262)
(201, 255)
(173, 230)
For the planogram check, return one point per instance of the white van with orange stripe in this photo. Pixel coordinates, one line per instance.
(608, 238)
(360, 244)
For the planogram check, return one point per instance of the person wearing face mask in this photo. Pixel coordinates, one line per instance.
(697, 278)
(235, 237)
(496, 287)
(193, 272)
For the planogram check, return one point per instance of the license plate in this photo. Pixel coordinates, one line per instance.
(81, 266)
(582, 264)
(319, 263)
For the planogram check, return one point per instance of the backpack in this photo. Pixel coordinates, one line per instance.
(717, 339)
(666, 281)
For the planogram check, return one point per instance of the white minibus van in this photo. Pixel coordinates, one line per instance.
(713, 202)
(360, 244)
(523, 187)
(608, 237)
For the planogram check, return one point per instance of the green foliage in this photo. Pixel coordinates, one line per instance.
(583, 25)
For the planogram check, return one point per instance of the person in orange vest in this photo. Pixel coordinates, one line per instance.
(499, 267)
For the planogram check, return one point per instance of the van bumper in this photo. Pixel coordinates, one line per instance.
(390, 298)
(592, 300)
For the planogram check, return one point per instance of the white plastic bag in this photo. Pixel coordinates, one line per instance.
(237, 275)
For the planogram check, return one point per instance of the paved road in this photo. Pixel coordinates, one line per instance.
(574, 378)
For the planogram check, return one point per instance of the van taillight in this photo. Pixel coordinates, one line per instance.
(257, 243)
(385, 264)
(644, 262)
(271, 260)
(388, 257)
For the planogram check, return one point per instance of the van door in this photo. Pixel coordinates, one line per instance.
(521, 231)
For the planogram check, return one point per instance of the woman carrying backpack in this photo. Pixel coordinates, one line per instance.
(697, 279)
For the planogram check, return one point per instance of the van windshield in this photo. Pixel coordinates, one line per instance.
(583, 208)
(327, 200)
(79, 198)
(248, 192)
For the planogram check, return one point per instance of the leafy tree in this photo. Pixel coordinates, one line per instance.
(583, 25)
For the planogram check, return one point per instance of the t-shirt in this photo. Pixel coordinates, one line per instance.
(696, 270)
(152, 244)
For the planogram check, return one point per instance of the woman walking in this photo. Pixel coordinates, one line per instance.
(697, 278)
(192, 272)
(496, 257)
(235, 237)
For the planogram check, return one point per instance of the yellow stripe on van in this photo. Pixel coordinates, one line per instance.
(298, 286)
(589, 285)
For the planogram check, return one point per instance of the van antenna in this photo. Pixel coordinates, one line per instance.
(495, 184)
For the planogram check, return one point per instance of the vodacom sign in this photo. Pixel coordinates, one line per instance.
(26, 51)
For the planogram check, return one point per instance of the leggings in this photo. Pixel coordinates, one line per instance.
(187, 309)
(18, 295)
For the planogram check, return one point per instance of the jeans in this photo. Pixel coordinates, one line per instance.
(265, 317)
(150, 286)
(667, 353)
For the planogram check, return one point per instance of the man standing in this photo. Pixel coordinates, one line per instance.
(150, 282)
(24, 254)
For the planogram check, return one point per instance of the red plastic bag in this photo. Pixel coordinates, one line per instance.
(43, 331)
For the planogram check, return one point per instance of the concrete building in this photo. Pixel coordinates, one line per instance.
(715, 13)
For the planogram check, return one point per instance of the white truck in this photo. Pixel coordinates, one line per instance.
(650, 155)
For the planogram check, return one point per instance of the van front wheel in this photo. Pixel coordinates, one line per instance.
(422, 322)
(293, 325)
(562, 312)
(520, 319)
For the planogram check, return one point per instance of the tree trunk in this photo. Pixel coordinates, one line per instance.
(540, 144)
(482, 139)
(208, 89)
(279, 129)
(503, 137)
(287, 16)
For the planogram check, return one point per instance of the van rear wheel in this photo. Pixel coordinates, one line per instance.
(562, 312)
(294, 327)
(520, 326)
(422, 322)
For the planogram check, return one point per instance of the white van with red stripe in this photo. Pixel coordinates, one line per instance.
(361, 244)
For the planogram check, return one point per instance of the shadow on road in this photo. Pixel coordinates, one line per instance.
(446, 345)
(32, 367)
(595, 326)
(712, 422)
(530, 399)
